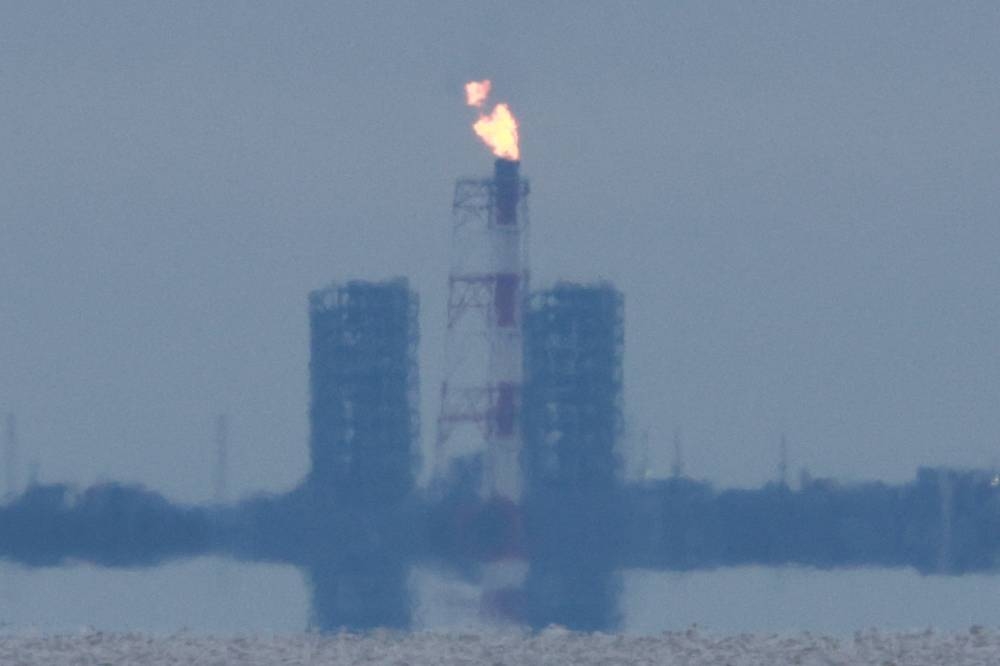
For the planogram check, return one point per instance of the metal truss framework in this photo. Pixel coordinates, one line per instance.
(480, 393)
(363, 381)
(574, 342)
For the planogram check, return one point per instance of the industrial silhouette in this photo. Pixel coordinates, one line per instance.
(528, 497)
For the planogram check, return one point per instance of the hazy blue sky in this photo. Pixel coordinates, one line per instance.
(798, 199)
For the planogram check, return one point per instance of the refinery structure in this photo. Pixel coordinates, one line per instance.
(530, 401)
(526, 503)
(363, 387)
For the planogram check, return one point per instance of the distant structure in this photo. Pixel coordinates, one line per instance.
(783, 462)
(478, 447)
(363, 386)
(574, 341)
(533, 506)
(10, 457)
(528, 496)
(479, 433)
(573, 389)
(220, 470)
(677, 464)
(363, 444)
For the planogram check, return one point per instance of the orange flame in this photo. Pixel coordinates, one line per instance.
(476, 92)
(498, 130)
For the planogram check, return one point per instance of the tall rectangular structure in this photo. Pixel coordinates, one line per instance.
(573, 344)
(363, 384)
(478, 447)
(479, 422)
(574, 340)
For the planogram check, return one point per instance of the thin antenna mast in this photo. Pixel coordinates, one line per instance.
(783, 462)
(221, 469)
(10, 457)
(677, 466)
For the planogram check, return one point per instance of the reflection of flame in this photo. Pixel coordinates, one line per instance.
(498, 129)
(476, 92)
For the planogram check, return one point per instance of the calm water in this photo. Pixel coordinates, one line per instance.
(205, 595)
(836, 602)
(211, 595)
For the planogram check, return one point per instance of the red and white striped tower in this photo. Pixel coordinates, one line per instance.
(502, 468)
(479, 427)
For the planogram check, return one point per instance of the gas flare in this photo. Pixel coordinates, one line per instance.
(498, 129)
(476, 92)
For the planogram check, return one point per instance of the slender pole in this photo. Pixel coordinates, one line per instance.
(677, 466)
(783, 462)
(221, 468)
(10, 457)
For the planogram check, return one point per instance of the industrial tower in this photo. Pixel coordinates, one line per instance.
(363, 381)
(363, 443)
(574, 340)
(479, 440)
(479, 426)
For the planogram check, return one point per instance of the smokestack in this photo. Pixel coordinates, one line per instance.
(508, 187)
(504, 376)
(479, 422)
(481, 392)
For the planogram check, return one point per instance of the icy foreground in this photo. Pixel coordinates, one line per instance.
(554, 646)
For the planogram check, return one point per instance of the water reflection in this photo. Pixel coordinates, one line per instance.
(358, 563)
(214, 595)
(207, 594)
(759, 599)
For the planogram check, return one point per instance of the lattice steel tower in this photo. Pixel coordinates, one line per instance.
(363, 385)
(574, 344)
(479, 426)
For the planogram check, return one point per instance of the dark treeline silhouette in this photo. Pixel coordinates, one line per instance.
(108, 524)
(944, 521)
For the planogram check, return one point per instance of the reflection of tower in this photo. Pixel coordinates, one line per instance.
(10, 457)
(946, 496)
